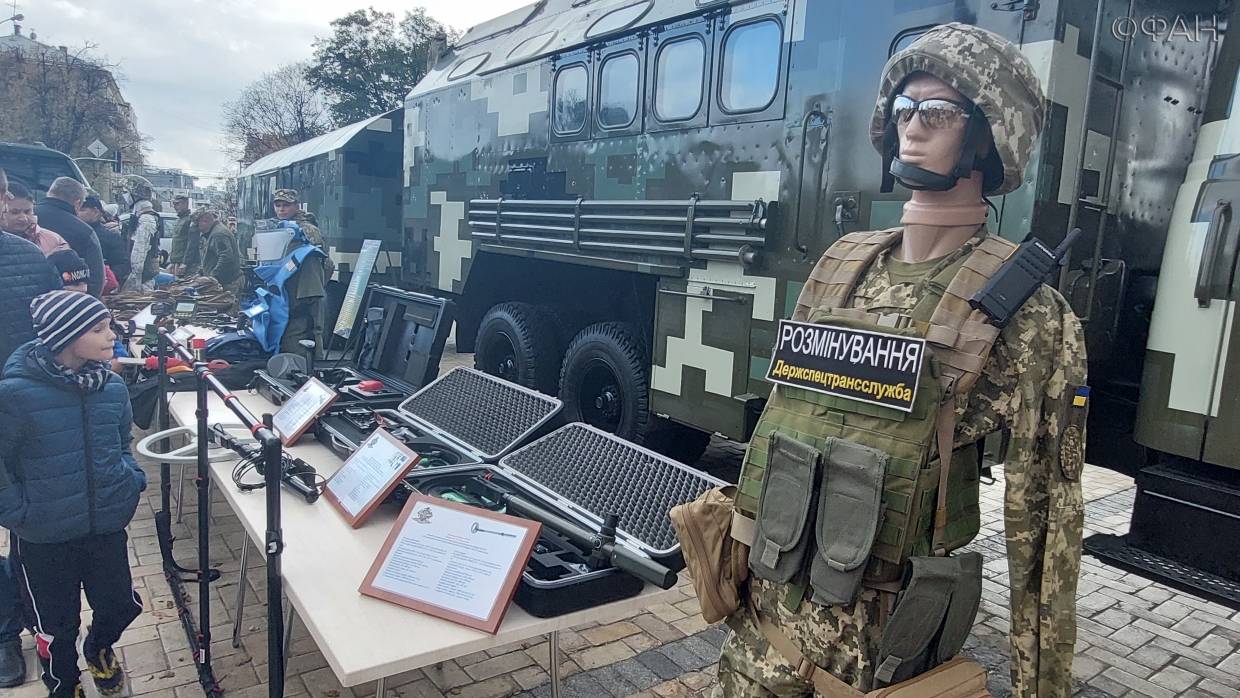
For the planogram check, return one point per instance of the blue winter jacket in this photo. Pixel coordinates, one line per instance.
(68, 471)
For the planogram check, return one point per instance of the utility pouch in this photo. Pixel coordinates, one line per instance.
(932, 616)
(785, 509)
(716, 561)
(849, 509)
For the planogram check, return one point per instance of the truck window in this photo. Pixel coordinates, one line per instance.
(907, 37)
(679, 68)
(571, 88)
(618, 86)
(751, 59)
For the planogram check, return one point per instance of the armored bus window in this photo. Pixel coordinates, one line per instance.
(750, 72)
(679, 68)
(468, 66)
(619, 79)
(531, 46)
(618, 19)
(571, 90)
(906, 37)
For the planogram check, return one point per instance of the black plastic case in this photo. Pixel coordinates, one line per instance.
(398, 338)
(584, 474)
(463, 417)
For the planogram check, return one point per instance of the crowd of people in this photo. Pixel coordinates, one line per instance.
(69, 484)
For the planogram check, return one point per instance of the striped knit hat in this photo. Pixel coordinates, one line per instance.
(60, 317)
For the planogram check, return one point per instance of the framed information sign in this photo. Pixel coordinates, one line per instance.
(299, 412)
(369, 476)
(452, 561)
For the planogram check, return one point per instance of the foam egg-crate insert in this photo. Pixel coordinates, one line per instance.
(483, 411)
(607, 475)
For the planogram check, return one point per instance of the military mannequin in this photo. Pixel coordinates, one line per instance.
(957, 116)
(186, 254)
(308, 286)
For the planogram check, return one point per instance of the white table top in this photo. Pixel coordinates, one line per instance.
(324, 563)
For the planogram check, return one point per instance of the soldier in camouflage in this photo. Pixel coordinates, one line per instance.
(306, 288)
(186, 253)
(1026, 386)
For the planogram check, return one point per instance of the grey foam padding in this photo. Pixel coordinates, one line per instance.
(488, 414)
(606, 475)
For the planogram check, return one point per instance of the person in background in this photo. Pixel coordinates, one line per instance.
(19, 219)
(186, 256)
(308, 286)
(115, 249)
(145, 228)
(24, 274)
(69, 486)
(220, 258)
(58, 213)
(74, 273)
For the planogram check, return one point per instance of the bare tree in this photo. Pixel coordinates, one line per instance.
(279, 109)
(66, 99)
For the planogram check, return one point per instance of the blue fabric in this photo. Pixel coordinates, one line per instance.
(163, 279)
(10, 614)
(69, 471)
(24, 274)
(269, 325)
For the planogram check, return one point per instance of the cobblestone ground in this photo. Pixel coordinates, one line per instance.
(1136, 638)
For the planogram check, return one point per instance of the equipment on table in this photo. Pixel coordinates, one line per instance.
(603, 503)
(395, 343)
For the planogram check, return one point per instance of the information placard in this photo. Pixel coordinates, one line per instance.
(369, 476)
(874, 367)
(452, 561)
(299, 412)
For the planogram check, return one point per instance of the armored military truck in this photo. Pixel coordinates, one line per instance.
(350, 180)
(625, 196)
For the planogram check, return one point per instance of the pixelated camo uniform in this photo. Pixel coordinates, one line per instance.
(1023, 388)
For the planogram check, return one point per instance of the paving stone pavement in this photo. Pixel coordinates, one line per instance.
(1135, 638)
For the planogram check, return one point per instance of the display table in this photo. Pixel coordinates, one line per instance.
(324, 562)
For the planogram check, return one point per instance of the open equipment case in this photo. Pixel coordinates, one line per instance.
(591, 479)
(397, 338)
(483, 439)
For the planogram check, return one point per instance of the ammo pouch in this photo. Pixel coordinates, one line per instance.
(849, 508)
(833, 496)
(932, 617)
(786, 508)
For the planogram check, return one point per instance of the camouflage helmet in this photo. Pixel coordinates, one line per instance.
(988, 70)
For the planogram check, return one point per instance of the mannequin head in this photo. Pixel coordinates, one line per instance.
(931, 127)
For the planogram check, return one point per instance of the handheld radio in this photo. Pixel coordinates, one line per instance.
(1019, 277)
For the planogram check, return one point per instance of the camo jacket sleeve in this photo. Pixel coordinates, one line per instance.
(1027, 387)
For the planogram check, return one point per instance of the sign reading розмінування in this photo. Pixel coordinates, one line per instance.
(873, 367)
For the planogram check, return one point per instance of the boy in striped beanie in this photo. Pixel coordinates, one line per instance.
(69, 486)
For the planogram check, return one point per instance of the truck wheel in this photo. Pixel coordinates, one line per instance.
(678, 441)
(517, 342)
(605, 381)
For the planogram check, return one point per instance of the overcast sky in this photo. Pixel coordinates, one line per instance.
(181, 59)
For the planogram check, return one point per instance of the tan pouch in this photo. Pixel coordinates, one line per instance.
(716, 562)
(957, 678)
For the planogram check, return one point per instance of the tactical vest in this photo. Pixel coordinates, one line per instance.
(911, 505)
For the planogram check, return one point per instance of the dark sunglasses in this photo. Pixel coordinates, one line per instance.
(934, 113)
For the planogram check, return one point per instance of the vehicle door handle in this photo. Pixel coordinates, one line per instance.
(1220, 221)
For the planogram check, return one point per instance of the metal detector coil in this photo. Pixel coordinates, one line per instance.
(181, 455)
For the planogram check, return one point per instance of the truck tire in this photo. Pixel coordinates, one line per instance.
(605, 381)
(519, 343)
